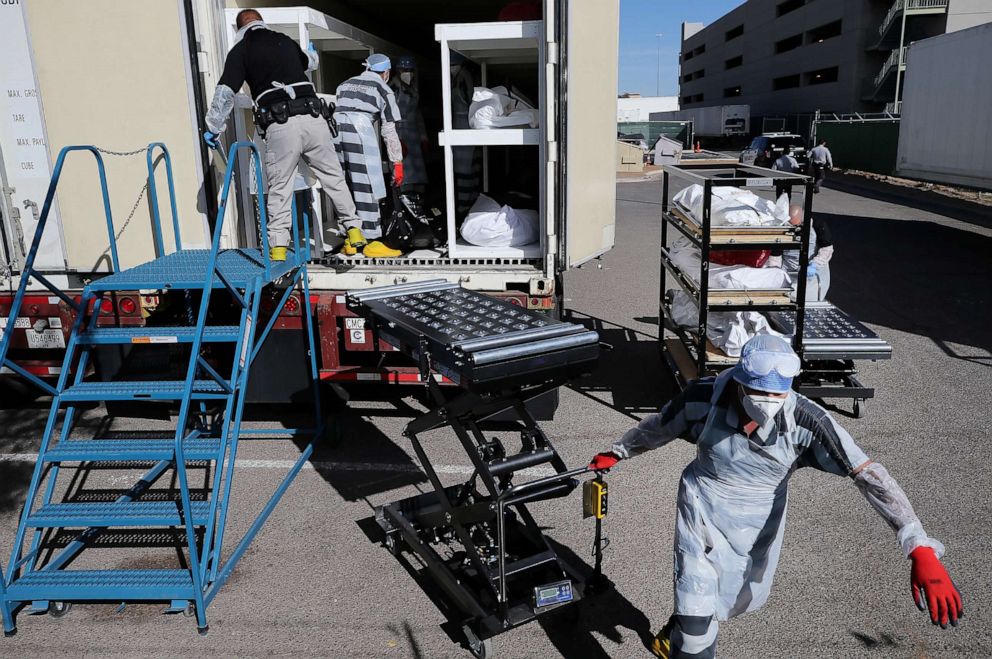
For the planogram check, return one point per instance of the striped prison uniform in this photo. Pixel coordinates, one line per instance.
(358, 148)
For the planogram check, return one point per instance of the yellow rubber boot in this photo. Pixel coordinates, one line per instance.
(661, 646)
(277, 253)
(378, 250)
(356, 238)
(348, 249)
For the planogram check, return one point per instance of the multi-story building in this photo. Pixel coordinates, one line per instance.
(798, 56)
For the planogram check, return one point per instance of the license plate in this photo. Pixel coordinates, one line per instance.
(49, 338)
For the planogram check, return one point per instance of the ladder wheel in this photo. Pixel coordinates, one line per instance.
(480, 649)
(12, 632)
(202, 631)
(859, 409)
(59, 609)
(190, 610)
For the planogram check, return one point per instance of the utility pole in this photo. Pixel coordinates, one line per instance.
(657, 90)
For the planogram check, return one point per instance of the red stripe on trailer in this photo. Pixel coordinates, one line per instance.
(378, 376)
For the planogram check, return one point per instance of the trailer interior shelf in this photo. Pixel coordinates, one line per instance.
(517, 48)
(494, 137)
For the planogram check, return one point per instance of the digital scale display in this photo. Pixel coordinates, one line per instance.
(553, 593)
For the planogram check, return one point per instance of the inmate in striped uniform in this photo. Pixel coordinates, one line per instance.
(361, 101)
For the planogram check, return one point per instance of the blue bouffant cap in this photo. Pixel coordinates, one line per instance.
(378, 63)
(768, 363)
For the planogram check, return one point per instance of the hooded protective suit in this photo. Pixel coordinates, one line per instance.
(733, 497)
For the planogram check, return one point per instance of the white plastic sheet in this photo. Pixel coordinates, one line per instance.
(498, 108)
(734, 207)
(688, 258)
(490, 225)
(727, 330)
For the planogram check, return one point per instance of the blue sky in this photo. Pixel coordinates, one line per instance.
(640, 20)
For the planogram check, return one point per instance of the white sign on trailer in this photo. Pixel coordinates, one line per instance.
(23, 147)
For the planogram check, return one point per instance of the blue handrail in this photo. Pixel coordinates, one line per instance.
(153, 197)
(28, 270)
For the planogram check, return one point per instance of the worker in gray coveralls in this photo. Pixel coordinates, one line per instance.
(291, 117)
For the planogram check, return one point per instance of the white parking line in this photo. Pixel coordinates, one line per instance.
(243, 463)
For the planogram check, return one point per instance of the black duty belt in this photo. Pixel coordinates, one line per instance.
(280, 112)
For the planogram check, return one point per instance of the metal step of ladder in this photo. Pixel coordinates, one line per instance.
(210, 397)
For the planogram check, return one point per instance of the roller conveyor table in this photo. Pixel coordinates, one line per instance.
(832, 342)
(477, 541)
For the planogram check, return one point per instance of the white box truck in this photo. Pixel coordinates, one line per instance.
(155, 72)
(712, 121)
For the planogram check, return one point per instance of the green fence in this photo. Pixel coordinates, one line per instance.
(680, 131)
(869, 146)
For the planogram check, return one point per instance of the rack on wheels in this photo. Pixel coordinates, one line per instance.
(828, 340)
(477, 540)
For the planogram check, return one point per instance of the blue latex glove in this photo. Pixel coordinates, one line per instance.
(210, 138)
(810, 270)
(312, 48)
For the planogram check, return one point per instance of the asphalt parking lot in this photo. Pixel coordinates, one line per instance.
(915, 269)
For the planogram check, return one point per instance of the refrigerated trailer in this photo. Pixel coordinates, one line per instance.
(144, 73)
(712, 121)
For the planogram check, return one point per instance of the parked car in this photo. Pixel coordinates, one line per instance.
(775, 144)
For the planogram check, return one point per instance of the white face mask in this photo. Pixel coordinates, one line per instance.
(406, 77)
(762, 409)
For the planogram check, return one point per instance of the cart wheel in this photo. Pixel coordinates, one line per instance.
(190, 610)
(859, 409)
(59, 609)
(394, 544)
(480, 649)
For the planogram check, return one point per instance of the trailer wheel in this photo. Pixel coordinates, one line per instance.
(480, 649)
(333, 430)
(859, 408)
(59, 609)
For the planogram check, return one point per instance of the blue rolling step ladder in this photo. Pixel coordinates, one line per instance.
(41, 578)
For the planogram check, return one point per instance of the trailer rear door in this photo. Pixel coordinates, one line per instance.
(587, 113)
(24, 164)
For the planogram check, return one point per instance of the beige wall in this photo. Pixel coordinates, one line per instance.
(592, 130)
(113, 74)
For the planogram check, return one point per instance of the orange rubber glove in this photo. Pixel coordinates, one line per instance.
(933, 589)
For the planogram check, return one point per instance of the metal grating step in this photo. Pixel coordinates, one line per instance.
(156, 335)
(131, 513)
(142, 390)
(113, 585)
(85, 450)
(188, 270)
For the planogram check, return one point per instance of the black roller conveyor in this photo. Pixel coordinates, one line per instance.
(476, 540)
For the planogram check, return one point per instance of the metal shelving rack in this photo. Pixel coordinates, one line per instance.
(505, 42)
(687, 355)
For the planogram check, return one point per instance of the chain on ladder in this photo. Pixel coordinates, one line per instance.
(141, 193)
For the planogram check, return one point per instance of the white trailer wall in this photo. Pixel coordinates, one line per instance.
(116, 75)
(945, 134)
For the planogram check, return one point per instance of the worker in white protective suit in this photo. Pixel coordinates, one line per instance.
(821, 250)
(752, 432)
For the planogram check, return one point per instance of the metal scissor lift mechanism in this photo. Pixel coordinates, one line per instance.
(43, 578)
(477, 540)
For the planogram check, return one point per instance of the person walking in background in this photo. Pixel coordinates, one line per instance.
(820, 160)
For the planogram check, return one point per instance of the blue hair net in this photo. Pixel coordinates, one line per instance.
(378, 63)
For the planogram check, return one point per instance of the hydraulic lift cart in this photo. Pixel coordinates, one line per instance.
(477, 540)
